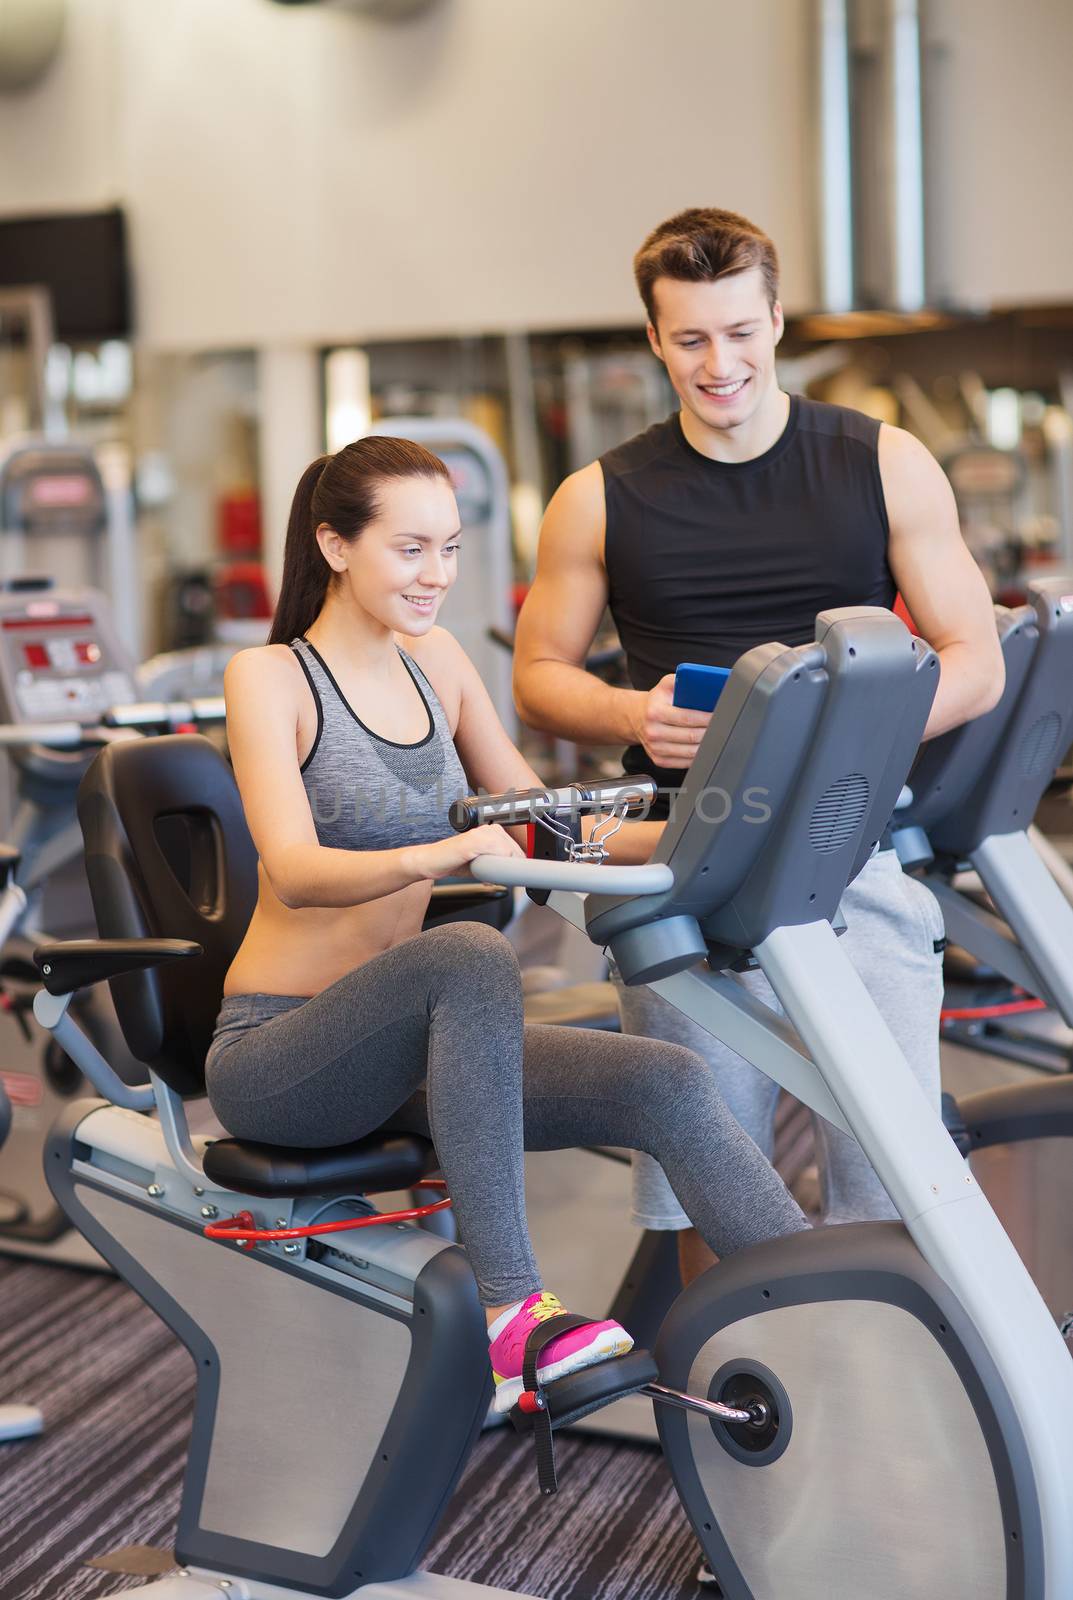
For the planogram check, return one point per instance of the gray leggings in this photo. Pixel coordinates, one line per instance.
(893, 928)
(428, 1037)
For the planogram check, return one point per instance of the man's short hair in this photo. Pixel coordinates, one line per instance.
(701, 245)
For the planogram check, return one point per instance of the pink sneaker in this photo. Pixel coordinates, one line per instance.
(578, 1348)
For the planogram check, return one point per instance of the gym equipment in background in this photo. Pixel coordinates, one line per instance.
(1009, 459)
(66, 687)
(865, 1407)
(975, 793)
(63, 511)
(16, 1421)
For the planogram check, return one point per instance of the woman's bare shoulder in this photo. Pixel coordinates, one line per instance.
(276, 662)
(264, 673)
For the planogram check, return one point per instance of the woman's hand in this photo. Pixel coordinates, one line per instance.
(447, 858)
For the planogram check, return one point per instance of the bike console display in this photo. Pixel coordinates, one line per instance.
(59, 658)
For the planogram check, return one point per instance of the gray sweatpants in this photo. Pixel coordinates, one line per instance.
(428, 1037)
(893, 924)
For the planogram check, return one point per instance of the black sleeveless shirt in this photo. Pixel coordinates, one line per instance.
(706, 559)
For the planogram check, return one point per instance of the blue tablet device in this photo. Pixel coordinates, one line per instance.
(698, 688)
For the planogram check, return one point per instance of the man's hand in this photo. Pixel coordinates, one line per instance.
(670, 734)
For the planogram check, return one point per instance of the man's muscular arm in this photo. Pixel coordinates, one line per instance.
(559, 619)
(939, 581)
(556, 627)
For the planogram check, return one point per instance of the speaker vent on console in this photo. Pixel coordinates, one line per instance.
(838, 813)
(1039, 744)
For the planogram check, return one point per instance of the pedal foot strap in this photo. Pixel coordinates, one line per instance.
(533, 1400)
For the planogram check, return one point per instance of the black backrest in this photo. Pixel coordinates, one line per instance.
(5, 1114)
(168, 855)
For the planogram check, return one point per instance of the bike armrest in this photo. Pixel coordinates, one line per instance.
(76, 963)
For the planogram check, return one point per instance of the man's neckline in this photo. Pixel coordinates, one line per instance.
(751, 463)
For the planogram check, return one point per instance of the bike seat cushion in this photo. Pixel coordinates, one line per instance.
(381, 1161)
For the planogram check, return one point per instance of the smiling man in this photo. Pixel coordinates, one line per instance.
(729, 525)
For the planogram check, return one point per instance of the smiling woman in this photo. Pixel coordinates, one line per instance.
(351, 732)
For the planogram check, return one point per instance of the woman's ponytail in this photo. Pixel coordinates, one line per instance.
(305, 572)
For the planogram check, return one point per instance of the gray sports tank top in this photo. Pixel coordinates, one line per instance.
(367, 792)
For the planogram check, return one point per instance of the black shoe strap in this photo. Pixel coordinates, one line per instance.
(544, 1334)
(543, 1438)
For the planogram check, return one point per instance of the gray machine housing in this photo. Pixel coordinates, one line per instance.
(856, 1262)
(804, 797)
(987, 777)
(432, 1317)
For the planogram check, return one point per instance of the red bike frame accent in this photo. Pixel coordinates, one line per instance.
(242, 1228)
(1009, 1008)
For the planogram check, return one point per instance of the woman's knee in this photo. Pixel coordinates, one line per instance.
(686, 1092)
(473, 960)
(679, 1083)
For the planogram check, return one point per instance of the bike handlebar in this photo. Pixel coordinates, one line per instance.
(526, 805)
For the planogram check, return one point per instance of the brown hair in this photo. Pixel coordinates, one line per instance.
(340, 490)
(701, 245)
